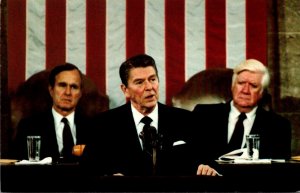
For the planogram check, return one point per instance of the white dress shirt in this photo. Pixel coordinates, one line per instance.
(59, 126)
(233, 118)
(137, 116)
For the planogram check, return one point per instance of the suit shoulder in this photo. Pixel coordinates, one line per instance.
(174, 109)
(36, 118)
(278, 117)
(273, 115)
(110, 114)
(206, 108)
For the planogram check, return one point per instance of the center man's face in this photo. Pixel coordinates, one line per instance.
(142, 89)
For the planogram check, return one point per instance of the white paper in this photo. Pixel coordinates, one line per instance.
(47, 160)
(240, 156)
(179, 143)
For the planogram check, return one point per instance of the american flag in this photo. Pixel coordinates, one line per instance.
(183, 36)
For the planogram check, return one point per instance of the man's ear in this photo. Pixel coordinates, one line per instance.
(125, 90)
(50, 89)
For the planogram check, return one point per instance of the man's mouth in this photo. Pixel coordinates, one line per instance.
(66, 100)
(149, 97)
(245, 97)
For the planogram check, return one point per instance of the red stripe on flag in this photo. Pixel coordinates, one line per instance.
(256, 30)
(175, 47)
(55, 32)
(135, 27)
(16, 42)
(95, 42)
(215, 23)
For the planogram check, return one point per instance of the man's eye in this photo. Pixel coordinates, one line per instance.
(74, 87)
(62, 84)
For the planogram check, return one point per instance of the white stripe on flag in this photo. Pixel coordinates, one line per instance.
(155, 36)
(35, 37)
(76, 30)
(236, 32)
(195, 37)
(115, 49)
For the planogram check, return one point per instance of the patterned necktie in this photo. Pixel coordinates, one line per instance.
(148, 136)
(68, 142)
(238, 133)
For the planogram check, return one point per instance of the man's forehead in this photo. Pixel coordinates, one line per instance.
(141, 72)
(254, 77)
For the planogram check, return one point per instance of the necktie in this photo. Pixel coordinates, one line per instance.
(68, 142)
(149, 139)
(238, 133)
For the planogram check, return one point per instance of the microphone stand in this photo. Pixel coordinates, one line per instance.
(151, 138)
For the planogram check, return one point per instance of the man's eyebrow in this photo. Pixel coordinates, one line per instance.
(62, 83)
(138, 79)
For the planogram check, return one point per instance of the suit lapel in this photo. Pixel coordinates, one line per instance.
(130, 133)
(258, 125)
(49, 140)
(161, 119)
(224, 121)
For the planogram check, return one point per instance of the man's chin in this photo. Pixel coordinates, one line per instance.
(247, 108)
(151, 103)
(66, 109)
(245, 105)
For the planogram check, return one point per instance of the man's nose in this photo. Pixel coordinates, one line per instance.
(68, 90)
(148, 85)
(246, 88)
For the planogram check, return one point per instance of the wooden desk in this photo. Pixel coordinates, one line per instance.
(279, 177)
(274, 177)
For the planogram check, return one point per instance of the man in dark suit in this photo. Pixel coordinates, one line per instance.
(65, 88)
(119, 145)
(217, 121)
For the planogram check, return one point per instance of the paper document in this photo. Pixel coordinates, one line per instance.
(235, 154)
(240, 156)
(47, 160)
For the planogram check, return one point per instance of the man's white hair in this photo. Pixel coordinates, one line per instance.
(253, 65)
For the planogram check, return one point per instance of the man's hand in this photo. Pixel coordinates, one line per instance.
(118, 174)
(206, 170)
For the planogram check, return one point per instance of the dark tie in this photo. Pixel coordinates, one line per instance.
(149, 139)
(238, 133)
(68, 142)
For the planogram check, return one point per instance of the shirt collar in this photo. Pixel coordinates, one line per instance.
(137, 116)
(58, 117)
(235, 112)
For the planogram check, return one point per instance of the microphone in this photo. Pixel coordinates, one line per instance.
(151, 143)
(149, 137)
(154, 143)
(153, 136)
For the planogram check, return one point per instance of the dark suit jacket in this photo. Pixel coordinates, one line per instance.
(274, 130)
(43, 124)
(115, 147)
